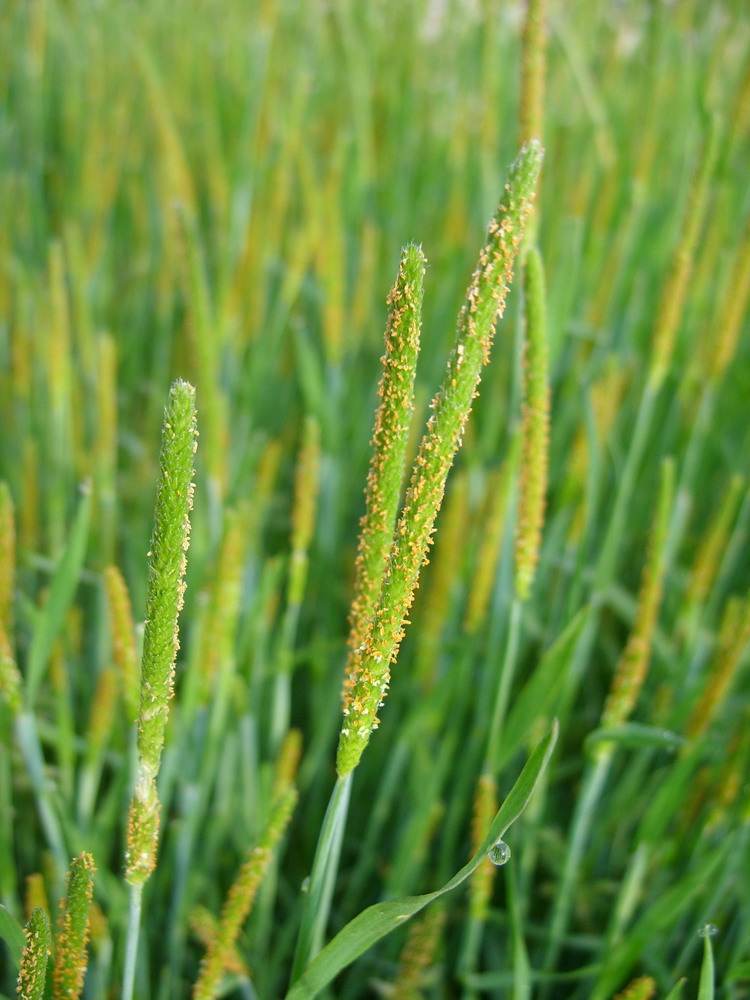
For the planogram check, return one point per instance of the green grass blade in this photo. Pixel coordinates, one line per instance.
(12, 933)
(706, 983)
(52, 616)
(323, 875)
(538, 697)
(376, 921)
(635, 734)
(676, 992)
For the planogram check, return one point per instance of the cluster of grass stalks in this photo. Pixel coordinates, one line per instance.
(204, 790)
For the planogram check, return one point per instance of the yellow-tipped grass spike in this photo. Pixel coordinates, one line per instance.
(485, 300)
(70, 952)
(534, 428)
(33, 971)
(389, 442)
(632, 666)
(166, 588)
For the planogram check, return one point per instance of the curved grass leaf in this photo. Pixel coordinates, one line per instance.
(65, 581)
(12, 933)
(706, 983)
(376, 921)
(634, 734)
(539, 695)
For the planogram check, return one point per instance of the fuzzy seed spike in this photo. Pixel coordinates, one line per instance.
(166, 588)
(418, 953)
(389, 442)
(732, 312)
(166, 578)
(32, 974)
(241, 898)
(642, 988)
(631, 669)
(124, 649)
(734, 635)
(306, 486)
(11, 685)
(7, 558)
(480, 886)
(675, 292)
(73, 929)
(534, 428)
(369, 673)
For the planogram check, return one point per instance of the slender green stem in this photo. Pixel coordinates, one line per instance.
(28, 741)
(630, 890)
(131, 944)
(607, 564)
(502, 694)
(583, 818)
(317, 904)
(686, 486)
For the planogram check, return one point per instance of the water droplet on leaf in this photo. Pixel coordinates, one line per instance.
(499, 853)
(708, 930)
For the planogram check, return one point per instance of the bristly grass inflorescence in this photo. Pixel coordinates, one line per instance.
(73, 931)
(166, 588)
(241, 233)
(389, 442)
(32, 975)
(451, 407)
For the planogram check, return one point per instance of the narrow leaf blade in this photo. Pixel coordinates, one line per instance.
(380, 919)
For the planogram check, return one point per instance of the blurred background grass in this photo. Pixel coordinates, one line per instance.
(220, 191)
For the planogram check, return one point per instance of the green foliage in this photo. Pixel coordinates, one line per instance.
(219, 193)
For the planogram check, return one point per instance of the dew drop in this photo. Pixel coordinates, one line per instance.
(708, 930)
(499, 853)
(305, 887)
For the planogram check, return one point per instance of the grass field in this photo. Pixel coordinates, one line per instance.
(220, 193)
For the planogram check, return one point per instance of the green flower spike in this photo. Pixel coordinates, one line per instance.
(451, 407)
(7, 558)
(73, 932)
(31, 977)
(389, 442)
(123, 639)
(632, 667)
(166, 587)
(534, 428)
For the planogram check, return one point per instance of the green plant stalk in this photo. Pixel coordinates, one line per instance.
(317, 903)
(626, 686)
(193, 810)
(606, 566)
(303, 526)
(502, 693)
(629, 893)
(480, 890)
(27, 738)
(380, 919)
(706, 983)
(521, 964)
(584, 816)
(131, 941)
